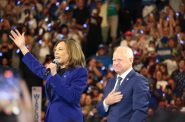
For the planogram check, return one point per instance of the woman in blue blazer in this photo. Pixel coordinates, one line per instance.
(66, 78)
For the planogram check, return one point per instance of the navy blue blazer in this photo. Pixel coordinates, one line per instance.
(133, 106)
(65, 92)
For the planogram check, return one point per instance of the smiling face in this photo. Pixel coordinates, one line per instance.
(61, 54)
(122, 59)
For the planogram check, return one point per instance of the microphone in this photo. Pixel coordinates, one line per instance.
(55, 61)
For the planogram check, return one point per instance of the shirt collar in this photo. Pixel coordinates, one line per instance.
(125, 73)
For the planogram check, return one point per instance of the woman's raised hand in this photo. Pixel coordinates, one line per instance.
(18, 38)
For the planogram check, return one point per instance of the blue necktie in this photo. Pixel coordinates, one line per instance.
(118, 84)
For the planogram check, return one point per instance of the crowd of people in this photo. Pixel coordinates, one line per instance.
(153, 29)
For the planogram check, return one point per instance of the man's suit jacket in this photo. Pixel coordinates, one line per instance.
(133, 106)
(63, 91)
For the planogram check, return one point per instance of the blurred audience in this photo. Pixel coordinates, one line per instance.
(157, 39)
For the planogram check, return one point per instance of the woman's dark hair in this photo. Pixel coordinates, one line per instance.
(76, 55)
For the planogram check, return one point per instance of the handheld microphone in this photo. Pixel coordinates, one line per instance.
(55, 61)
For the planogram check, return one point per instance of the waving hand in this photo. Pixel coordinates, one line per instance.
(19, 40)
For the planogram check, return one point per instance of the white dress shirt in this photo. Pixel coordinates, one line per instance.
(123, 77)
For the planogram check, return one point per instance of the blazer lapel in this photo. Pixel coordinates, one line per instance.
(113, 83)
(127, 78)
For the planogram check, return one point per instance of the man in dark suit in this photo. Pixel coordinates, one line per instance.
(126, 96)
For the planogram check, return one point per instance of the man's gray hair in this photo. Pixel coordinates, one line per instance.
(127, 51)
